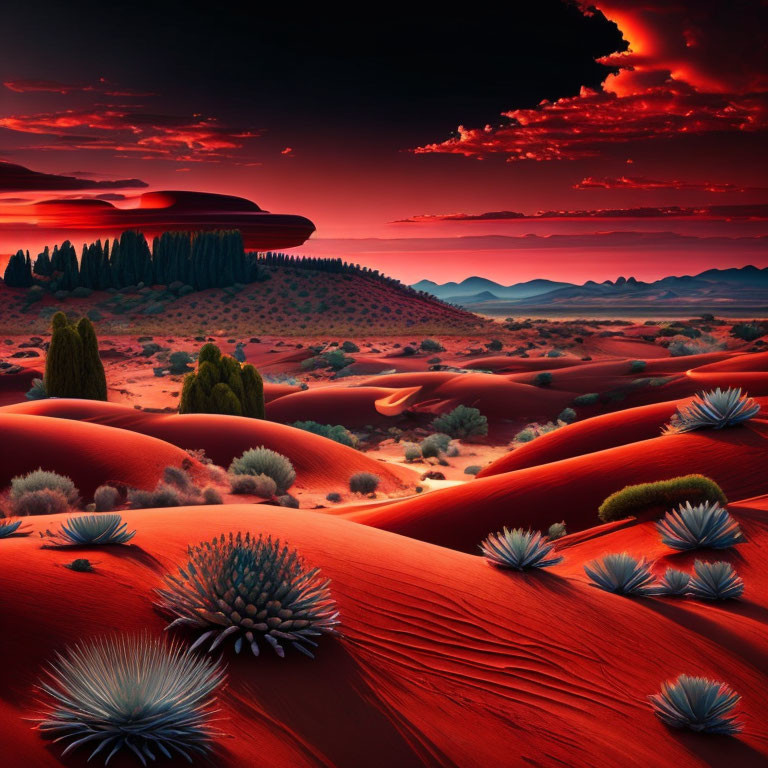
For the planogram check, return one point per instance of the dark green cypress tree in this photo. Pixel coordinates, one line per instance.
(18, 271)
(253, 398)
(43, 263)
(93, 383)
(64, 360)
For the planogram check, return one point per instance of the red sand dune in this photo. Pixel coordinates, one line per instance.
(320, 464)
(596, 434)
(90, 454)
(444, 660)
(504, 364)
(572, 489)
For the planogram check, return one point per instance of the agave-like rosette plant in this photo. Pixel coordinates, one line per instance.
(91, 530)
(519, 550)
(9, 527)
(713, 410)
(706, 525)
(250, 589)
(698, 704)
(134, 693)
(715, 581)
(674, 583)
(622, 574)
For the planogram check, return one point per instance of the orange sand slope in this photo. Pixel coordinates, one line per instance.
(445, 661)
(320, 463)
(572, 489)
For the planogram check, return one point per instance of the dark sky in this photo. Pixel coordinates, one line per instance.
(353, 120)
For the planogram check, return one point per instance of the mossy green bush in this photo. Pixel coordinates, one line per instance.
(660, 496)
(222, 385)
(262, 461)
(337, 432)
(462, 422)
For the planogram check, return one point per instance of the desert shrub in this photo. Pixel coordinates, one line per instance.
(567, 415)
(472, 469)
(9, 527)
(462, 422)
(412, 452)
(105, 528)
(705, 525)
(555, 353)
(180, 362)
(364, 482)
(588, 399)
(715, 581)
(519, 550)
(637, 366)
(349, 346)
(222, 385)
(494, 345)
(430, 345)
(37, 391)
(162, 496)
(543, 379)
(749, 331)
(40, 480)
(81, 565)
(262, 461)
(433, 445)
(106, 498)
(286, 500)
(713, 410)
(556, 531)
(42, 502)
(335, 359)
(73, 367)
(132, 693)
(674, 583)
(228, 581)
(685, 347)
(178, 477)
(622, 574)
(211, 495)
(525, 435)
(698, 704)
(262, 486)
(333, 497)
(337, 433)
(634, 500)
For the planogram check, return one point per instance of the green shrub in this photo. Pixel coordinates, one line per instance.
(555, 353)
(163, 496)
(262, 461)
(44, 501)
(40, 480)
(286, 500)
(556, 531)
(568, 415)
(37, 391)
(749, 331)
(337, 433)
(637, 366)
(412, 452)
(262, 486)
(543, 379)
(364, 482)
(430, 345)
(106, 498)
(211, 495)
(333, 497)
(472, 469)
(222, 385)
(588, 399)
(432, 446)
(462, 422)
(349, 346)
(180, 362)
(660, 496)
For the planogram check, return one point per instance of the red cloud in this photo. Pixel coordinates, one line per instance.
(17, 178)
(686, 72)
(46, 86)
(640, 182)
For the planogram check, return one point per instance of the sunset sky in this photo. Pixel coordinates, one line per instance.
(549, 139)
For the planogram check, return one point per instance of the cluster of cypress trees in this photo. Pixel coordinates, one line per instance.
(222, 385)
(72, 366)
(18, 271)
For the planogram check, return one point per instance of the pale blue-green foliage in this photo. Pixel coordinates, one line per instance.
(713, 410)
(10, 527)
(132, 693)
(715, 581)
(674, 583)
(622, 574)
(249, 589)
(263, 461)
(106, 528)
(43, 480)
(519, 549)
(37, 391)
(706, 525)
(699, 704)
(433, 445)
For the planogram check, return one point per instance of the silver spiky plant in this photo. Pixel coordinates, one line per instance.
(134, 693)
(674, 583)
(713, 410)
(715, 581)
(622, 574)
(91, 530)
(250, 589)
(9, 527)
(519, 550)
(706, 525)
(698, 704)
